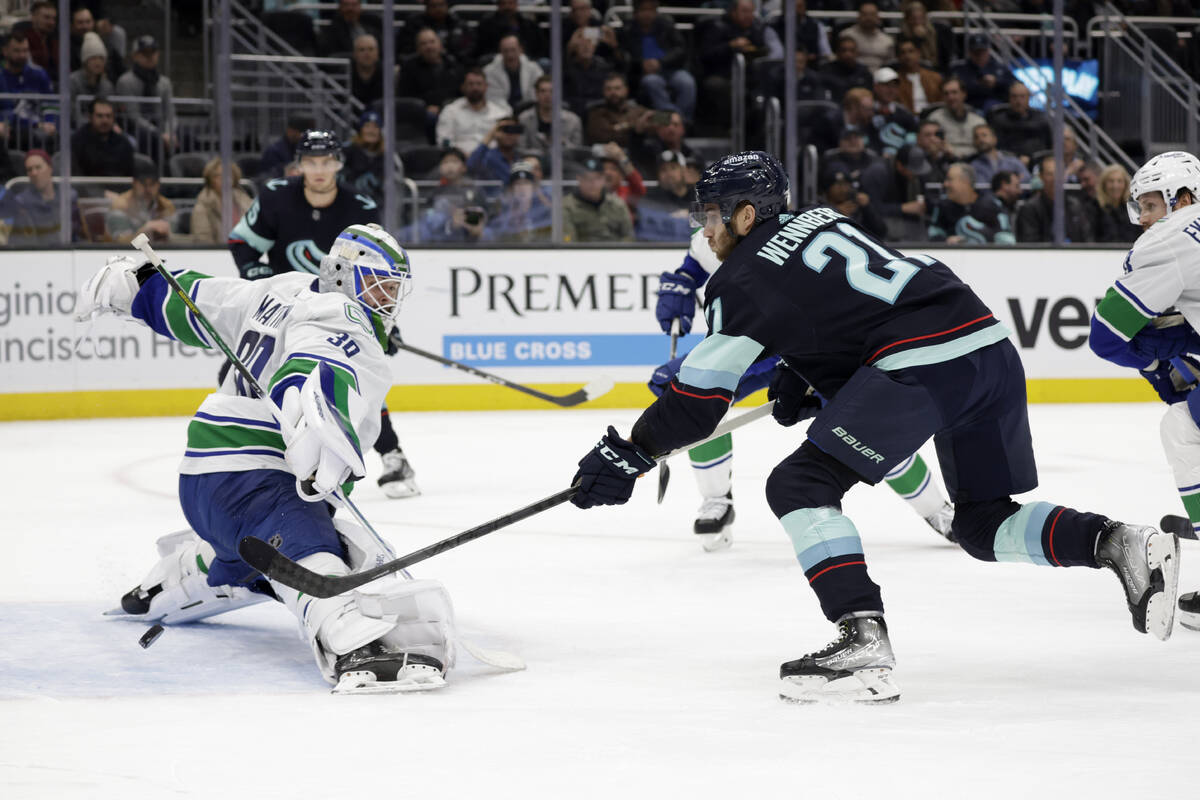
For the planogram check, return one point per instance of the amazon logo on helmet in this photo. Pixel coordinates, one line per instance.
(319, 143)
(753, 177)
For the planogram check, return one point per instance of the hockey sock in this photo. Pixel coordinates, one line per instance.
(1034, 533)
(912, 480)
(1181, 444)
(829, 549)
(387, 440)
(712, 464)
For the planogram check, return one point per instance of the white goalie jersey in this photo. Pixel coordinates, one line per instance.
(281, 328)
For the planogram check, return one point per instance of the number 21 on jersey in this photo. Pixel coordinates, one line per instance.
(819, 251)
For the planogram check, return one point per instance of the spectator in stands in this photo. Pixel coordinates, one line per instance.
(1035, 220)
(591, 214)
(37, 221)
(921, 165)
(844, 72)
(867, 170)
(966, 217)
(451, 31)
(1088, 177)
(665, 137)
(511, 75)
(659, 59)
(23, 123)
(957, 119)
(366, 73)
(663, 212)
(1020, 129)
(457, 212)
(618, 119)
(989, 160)
(582, 22)
(1006, 188)
(585, 77)
(82, 23)
(97, 150)
(431, 74)
(985, 79)
(504, 21)
(114, 39)
(810, 33)
(151, 123)
(1112, 195)
(282, 151)
(536, 121)
(857, 110)
(347, 25)
(810, 84)
(875, 48)
(919, 87)
(363, 159)
(892, 125)
(42, 33)
(524, 214)
(738, 31)
(90, 78)
(916, 26)
(492, 160)
(206, 226)
(141, 209)
(465, 122)
(621, 178)
(840, 193)
(1071, 155)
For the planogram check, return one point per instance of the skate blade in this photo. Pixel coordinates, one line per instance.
(868, 686)
(1162, 553)
(363, 682)
(1189, 620)
(714, 542)
(399, 490)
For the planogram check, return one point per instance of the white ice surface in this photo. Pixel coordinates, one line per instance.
(652, 664)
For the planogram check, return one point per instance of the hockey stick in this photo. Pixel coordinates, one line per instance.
(278, 567)
(664, 471)
(142, 242)
(596, 388)
(1180, 526)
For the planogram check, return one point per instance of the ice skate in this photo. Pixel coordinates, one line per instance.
(1147, 562)
(714, 523)
(1189, 611)
(398, 479)
(942, 520)
(855, 668)
(373, 669)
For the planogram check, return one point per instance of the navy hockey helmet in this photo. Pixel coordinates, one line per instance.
(752, 177)
(319, 143)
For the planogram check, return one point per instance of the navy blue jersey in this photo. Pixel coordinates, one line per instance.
(818, 290)
(294, 235)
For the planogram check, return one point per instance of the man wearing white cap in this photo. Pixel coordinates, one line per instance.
(894, 125)
(875, 48)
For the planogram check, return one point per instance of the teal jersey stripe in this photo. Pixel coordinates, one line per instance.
(719, 361)
(821, 533)
(242, 231)
(937, 353)
(1019, 538)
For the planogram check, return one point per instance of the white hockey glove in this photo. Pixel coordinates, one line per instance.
(319, 448)
(111, 290)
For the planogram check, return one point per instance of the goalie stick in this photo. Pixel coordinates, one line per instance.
(591, 391)
(278, 567)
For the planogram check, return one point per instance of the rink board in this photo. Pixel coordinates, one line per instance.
(551, 319)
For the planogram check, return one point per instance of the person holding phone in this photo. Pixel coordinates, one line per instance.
(492, 160)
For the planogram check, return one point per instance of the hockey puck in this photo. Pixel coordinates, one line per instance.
(151, 635)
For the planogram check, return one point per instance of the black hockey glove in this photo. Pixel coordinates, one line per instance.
(255, 271)
(794, 398)
(393, 342)
(606, 474)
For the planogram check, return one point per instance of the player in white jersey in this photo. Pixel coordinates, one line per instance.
(712, 463)
(316, 346)
(1138, 323)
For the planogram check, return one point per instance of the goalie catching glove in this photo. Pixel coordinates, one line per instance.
(320, 447)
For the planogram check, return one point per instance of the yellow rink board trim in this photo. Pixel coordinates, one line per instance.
(476, 397)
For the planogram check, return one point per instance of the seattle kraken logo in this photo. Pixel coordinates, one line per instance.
(305, 256)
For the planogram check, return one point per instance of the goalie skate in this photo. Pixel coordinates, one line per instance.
(855, 668)
(714, 523)
(398, 479)
(371, 669)
(1147, 563)
(1189, 611)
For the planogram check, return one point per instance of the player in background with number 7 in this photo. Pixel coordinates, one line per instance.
(315, 344)
(903, 351)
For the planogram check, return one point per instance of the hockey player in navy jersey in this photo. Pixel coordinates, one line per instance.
(316, 345)
(294, 222)
(712, 463)
(903, 351)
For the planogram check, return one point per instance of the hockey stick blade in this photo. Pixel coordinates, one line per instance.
(664, 477)
(276, 566)
(593, 390)
(1180, 526)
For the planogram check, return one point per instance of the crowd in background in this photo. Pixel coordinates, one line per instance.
(921, 135)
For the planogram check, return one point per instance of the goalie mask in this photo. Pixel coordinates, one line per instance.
(1166, 173)
(366, 263)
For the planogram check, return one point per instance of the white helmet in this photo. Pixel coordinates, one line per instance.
(1166, 173)
(367, 264)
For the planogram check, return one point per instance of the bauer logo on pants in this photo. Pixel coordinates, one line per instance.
(860, 447)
